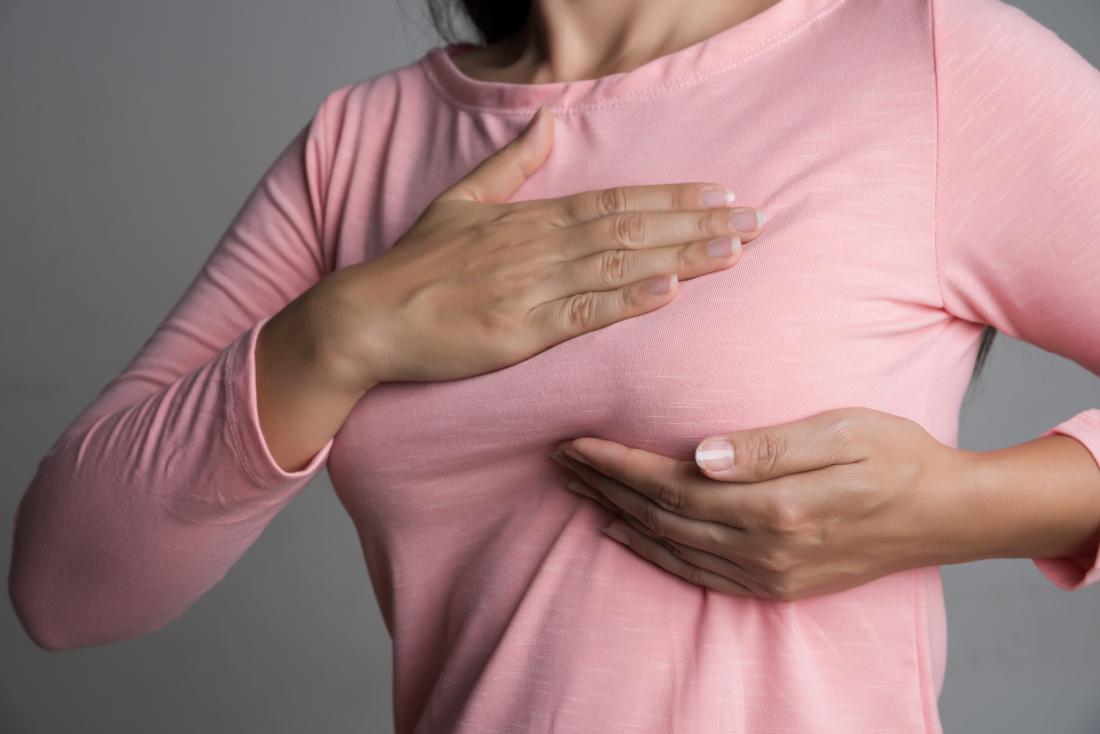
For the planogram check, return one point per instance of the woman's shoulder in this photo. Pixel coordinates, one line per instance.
(360, 114)
(993, 29)
(382, 92)
(996, 62)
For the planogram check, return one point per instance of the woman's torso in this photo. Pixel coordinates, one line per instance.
(508, 609)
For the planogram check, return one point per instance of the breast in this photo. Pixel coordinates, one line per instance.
(809, 319)
(834, 304)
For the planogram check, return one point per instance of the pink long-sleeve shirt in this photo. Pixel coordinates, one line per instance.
(928, 167)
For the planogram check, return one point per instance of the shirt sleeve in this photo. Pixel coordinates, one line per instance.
(164, 479)
(1018, 180)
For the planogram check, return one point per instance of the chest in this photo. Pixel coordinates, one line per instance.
(827, 307)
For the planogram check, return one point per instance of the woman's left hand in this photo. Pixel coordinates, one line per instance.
(809, 507)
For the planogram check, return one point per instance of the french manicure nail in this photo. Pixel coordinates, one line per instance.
(715, 197)
(714, 454)
(661, 284)
(723, 247)
(744, 220)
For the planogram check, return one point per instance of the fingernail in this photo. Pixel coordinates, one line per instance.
(616, 534)
(574, 455)
(575, 486)
(714, 454)
(744, 220)
(715, 197)
(723, 247)
(661, 284)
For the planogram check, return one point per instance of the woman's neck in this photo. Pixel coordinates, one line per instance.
(568, 40)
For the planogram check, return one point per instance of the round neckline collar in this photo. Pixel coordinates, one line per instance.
(684, 67)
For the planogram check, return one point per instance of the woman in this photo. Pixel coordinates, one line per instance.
(432, 333)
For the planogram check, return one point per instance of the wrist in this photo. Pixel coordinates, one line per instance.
(953, 520)
(330, 328)
(299, 408)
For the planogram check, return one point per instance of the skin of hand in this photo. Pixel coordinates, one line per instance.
(837, 500)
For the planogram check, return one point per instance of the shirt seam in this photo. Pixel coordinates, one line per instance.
(935, 202)
(936, 155)
(922, 639)
(320, 217)
(928, 702)
(620, 100)
(236, 440)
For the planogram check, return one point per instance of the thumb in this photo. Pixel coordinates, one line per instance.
(497, 177)
(757, 454)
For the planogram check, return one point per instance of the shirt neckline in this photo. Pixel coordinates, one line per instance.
(684, 67)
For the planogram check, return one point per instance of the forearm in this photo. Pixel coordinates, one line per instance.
(299, 404)
(1039, 499)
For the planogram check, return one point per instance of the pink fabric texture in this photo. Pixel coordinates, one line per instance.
(927, 166)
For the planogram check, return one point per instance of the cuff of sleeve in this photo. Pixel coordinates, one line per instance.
(1076, 572)
(243, 418)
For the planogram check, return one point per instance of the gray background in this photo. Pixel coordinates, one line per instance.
(124, 119)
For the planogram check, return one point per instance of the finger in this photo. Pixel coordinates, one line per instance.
(675, 486)
(656, 553)
(565, 318)
(701, 558)
(639, 230)
(581, 488)
(588, 205)
(757, 454)
(498, 176)
(704, 534)
(610, 269)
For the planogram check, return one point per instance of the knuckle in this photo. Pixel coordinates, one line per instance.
(785, 518)
(628, 227)
(611, 201)
(612, 267)
(844, 432)
(581, 309)
(705, 225)
(782, 586)
(670, 497)
(651, 518)
(568, 212)
(522, 212)
(686, 196)
(684, 259)
(762, 450)
(693, 574)
(714, 536)
(776, 561)
(674, 497)
(495, 317)
(672, 547)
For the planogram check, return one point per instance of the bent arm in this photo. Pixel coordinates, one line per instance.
(164, 480)
(1018, 246)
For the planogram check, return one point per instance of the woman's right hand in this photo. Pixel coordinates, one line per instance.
(477, 284)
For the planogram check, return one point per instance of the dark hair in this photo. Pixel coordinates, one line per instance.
(493, 20)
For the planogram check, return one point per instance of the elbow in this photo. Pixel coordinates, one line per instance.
(43, 632)
(55, 623)
(47, 641)
(29, 593)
